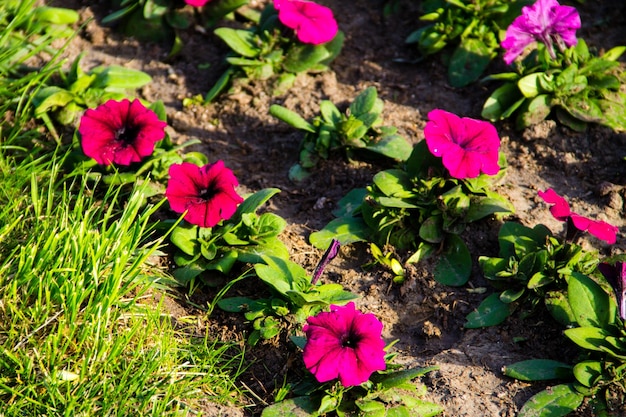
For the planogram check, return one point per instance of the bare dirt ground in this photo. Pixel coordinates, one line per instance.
(427, 318)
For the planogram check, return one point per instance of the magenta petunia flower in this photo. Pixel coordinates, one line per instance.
(561, 211)
(206, 193)
(344, 343)
(467, 146)
(120, 132)
(545, 21)
(196, 3)
(313, 23)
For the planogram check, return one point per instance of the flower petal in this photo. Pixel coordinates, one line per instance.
(312, 23)
(560, 209)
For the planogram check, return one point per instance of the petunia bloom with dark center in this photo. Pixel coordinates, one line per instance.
(206, 194)
(547, 22)
(561, 211)
(120, 132)
(468, 147)
(344, 343)
(312, 23)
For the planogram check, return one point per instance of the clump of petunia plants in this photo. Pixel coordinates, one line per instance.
(556, 74)
(599, 373)
(359, 129)
(162, 20)
(425, 204)
(293, 295)
(469, 29)
(289, 37)
(351, 372)
(534, 266)
(219, 227)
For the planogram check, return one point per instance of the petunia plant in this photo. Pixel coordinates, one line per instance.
(347, 356)
(555, 74)
(534, 266)
(293, 295)
(470, 30)
(288, 38)
(359, 129)
(599, 374)
(124, 142)
(426, 203)
(220, 228)
(163, 20)
(65, 101)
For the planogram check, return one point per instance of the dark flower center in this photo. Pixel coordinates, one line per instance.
(127, 134)
(350, 340)
(207, 193)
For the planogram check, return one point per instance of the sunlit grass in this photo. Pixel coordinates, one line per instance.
(75, 336)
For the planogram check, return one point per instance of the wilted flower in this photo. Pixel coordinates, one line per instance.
(467, 146)
(196, 3)
(206, 193)
(120, 132)
(561, 211)
(344, 343)
(545, 21)
(616, 276)
(329, 255)
(313, 23)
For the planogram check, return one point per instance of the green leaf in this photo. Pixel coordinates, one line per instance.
(518, 240)
(350, 203)
(487, 206)
(219, 85)
(392, 146)
(492, 267)
(240, 41)
(396, 379)
(184, 236)
(589, 302)
(330, 112)
(291, 118)
(394, 183)
(301, 58)
(591, 338)
(614, 53)
(533, 111)
(49, 98)
(490, 312)
(115, 76)
(588, 372)
(455, 263)
(534, 84)
(345, 229)
(502, 102)
(431, 230)
(556, 401)
(538, 370)
(372, 408)
(468, 62)
(252, 203)
(364, 102)
(558, 306)
(235, 304)
(55, 15)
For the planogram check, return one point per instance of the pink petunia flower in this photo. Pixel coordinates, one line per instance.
(344, 343)
(561, 211)
(120, 132)
(467, 146)
(206, 193)
(196, 3)
(545, 21)
(313, 23)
